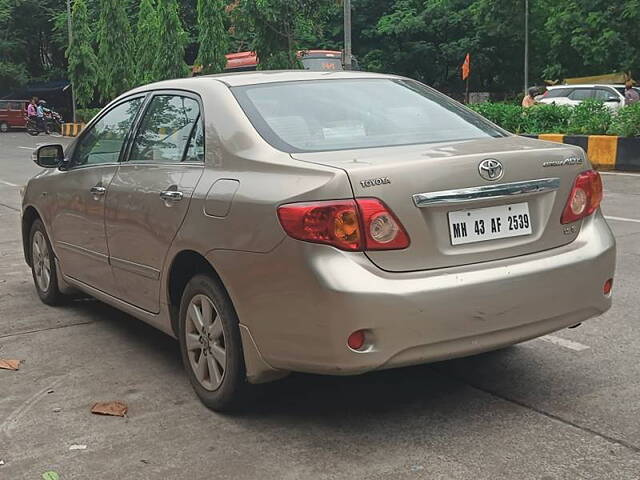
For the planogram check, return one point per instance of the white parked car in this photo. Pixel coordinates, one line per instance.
(611, 95)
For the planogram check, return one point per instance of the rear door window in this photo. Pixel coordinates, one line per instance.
(165, 130)
(606, 94)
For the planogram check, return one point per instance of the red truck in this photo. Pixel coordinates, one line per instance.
(13, 114)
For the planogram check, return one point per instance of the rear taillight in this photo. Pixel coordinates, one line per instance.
(585, 197)
(354, 225)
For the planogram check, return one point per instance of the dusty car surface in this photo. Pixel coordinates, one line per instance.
(332, 223)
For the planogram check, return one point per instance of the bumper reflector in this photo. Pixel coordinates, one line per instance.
(356, 340)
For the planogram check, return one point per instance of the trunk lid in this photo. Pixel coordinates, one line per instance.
(396, 174)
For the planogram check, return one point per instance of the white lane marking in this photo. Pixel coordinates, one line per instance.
(4, 182)
(564, 343)
(637, 175)
(622, 219)
(27, 148)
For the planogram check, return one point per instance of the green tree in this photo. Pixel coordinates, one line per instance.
(28, 50)
(278, 26)
(114, 49)
(83, 66)
(212, 36)
(169, 62)
(147, 42)
(593, 37)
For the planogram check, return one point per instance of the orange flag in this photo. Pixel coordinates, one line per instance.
(466, 67)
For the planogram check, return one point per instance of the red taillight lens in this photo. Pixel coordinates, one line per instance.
(585, 197)
(365, 224)
(335, 223)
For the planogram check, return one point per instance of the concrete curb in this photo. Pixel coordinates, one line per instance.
(606, 152)
(72, 129)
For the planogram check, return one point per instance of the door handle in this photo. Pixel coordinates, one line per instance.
(171, 196)
(98, 190)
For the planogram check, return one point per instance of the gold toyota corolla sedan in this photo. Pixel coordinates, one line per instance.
(332, 223)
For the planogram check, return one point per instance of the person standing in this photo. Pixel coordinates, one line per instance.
(631, 95)
(529, 99)
(42, 125)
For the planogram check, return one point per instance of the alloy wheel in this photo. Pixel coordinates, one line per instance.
(41, 261)
(205, 342)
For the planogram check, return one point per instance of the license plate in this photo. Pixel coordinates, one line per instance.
(490, 223)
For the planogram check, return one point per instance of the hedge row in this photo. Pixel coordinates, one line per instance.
(590, 117)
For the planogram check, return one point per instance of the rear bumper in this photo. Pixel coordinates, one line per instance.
(303, 300)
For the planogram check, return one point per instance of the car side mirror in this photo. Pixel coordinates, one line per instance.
(49, 156)
(613, 99)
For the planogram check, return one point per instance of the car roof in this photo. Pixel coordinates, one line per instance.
(585, 85)
(236, 79)
(274, 76)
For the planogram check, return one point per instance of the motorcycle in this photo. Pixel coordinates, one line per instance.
(32, 126)
(53, 121)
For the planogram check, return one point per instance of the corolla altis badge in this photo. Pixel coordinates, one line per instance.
(564, 163)
(491, 169)
(372, 182)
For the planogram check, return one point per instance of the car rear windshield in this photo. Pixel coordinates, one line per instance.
(324, 115)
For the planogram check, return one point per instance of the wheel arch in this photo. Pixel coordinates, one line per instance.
(184, 266)
(29, 215)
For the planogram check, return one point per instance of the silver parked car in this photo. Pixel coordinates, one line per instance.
(332, 223)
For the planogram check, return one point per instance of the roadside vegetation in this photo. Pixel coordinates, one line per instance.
(123, 43)
(591, 117)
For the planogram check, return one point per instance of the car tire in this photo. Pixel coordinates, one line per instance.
(210, 345)
(4, 127)
(43, 265)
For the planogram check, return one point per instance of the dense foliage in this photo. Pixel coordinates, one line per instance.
(212, 36)
(172, 39)
(279, 28)
(589, 118)
(115, 52)
(627, 122)
(83, 64)
(146, 41)
(137, 41)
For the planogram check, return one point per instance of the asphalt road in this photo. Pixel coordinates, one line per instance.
(563, 407)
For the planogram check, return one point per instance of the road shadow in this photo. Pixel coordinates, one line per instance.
(438, 388)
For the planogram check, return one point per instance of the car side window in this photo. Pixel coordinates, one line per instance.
(558, 92)
(165, 130)
(103, 141)
(195, 151)
(604, 94)
(581, 94)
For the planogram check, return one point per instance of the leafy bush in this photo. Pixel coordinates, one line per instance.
(590, 117)
(83, 115)
(627, 122)
(506, 115)
(546, 119)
